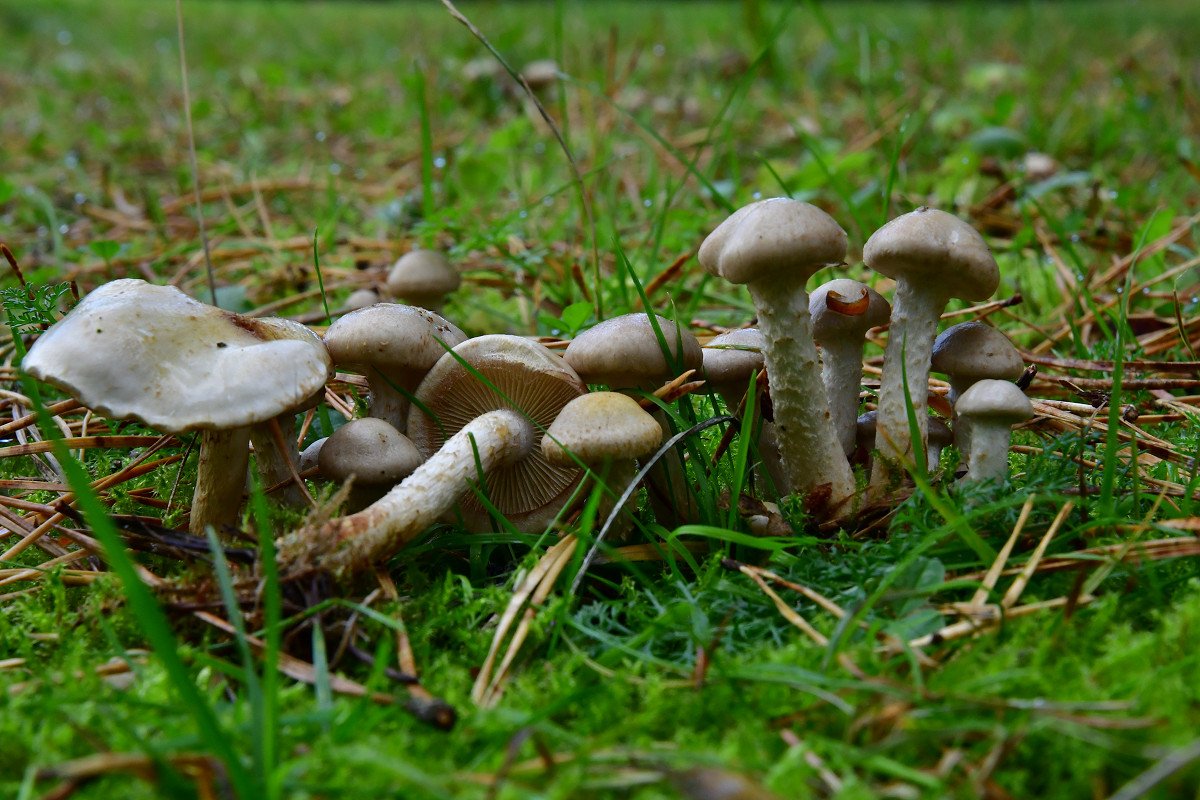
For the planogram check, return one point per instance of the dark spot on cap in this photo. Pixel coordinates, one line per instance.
(222, 344)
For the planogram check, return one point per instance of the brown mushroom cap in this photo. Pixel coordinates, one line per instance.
(940, 434)
(773, 236)
(423, 276)
(937, 249)
(624, 352)
(133, 350)
(402, 342)
(371, 450)
(600, 426)
(517, 374)
(971, 351)
(845, 308)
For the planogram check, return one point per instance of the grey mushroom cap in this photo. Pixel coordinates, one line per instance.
(1002, 401)
(732, 357)
(423, 275)
(133, 350)
(396, 339)
(935, 248)
(625, 352)
(971, 351)
(847, 309)
(371, 450)
(940, 434)
(600, 426)
(777, 235)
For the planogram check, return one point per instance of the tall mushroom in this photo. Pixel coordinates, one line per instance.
(933, 257)
(774, 246)
(843, 310)
(132, 350)
(393, 346)
(992, 407)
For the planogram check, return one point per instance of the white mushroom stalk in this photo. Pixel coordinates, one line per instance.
(933, 256)
(351, 543)
(774, 246)
(992, 407)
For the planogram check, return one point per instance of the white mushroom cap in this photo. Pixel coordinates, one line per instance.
(938, 249)
(846, 309)
(519, 375)
(402, 342)
(132, 350)
(540, 74)
(624, 352)
(770, 236)
(600, 426)
(1002, 401)
(371, 450)
(423, 277)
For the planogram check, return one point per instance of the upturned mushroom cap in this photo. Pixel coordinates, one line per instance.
(600, 426)
(624, 352)
(519, 375)
(1002, 401)
(935, 248)
(371, 450)
(778, 235)
(133, 350)
(423, 276)
(846, 309)
(971, 351)
(402, 342)
(732, 357)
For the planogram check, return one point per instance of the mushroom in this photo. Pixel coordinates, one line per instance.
(624, 352)
(394, 346)
(843, 310)
(361, 298)
(605, 432)
(933, 256)
(970, 352)
(992, 407)
(940, 437)
(132, 350)
(423, 278)
(729, 360)
(373, 453)
(774, 246)
(501, 372)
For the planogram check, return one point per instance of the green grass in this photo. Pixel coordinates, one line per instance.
(354, 126)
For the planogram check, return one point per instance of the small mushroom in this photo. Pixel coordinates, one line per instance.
(940, 437)
(393, 346)
(423, 278)
(774, 246)
(933, 256)
(606, 432)
(373, 453)
(992, 407)
(843, 310)
(970, 352)
(132, 350)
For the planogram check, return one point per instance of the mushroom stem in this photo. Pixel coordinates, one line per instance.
(962, 425)
(615, 475)
(349, 543)
(278, 459)
(220, 478)
(841, 371)
(989, 456)
(387, 403)
(915, 314)
(812, 455)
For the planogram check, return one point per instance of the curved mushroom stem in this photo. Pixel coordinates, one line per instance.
(915, 314)
(349, 543)
(989, 450)
(387, 404)
(841, 371)
(220, 479)
(812, 455)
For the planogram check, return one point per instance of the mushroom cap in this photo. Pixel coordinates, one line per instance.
(361, 298)
(541, 73)
(369, 449)
(940, 433)
(970, 351)
(600, 426)
(1002, 401)
(422, 275)
(402, 342)
(527, 378)
(624, 351)
(846, 309)
(934, 248)
(733, 356)
(778, 235)
(133, 350)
